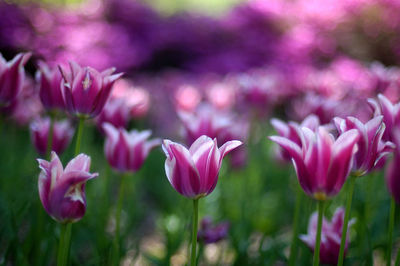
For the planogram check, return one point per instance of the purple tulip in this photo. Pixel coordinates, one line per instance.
(12, 75)
(209, 233)
(371, 149)
(126, 151)
(194, 172)
(62, 191)
(115, 112)
(291, 131)
(85, 90)
(331, 235)
(393, 177)
(322, 163)
(391, 115)
(205, 121)
(49, 80)
(62, 135)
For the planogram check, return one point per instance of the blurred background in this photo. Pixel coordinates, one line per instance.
(247, 60)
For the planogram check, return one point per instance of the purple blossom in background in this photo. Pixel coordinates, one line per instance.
(330, 236)
(212, 233)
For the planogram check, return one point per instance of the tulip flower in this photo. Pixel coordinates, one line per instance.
(205, 121)
(291, 131)
(194, 172)
(12, 75)
(115, 112)
(391, 115)
(209, 233)
(62, 191)
(371, 149)
(322, 163)
(49, 80)
(330, 236)
(86, 90)
(126, 151)
(62, 135)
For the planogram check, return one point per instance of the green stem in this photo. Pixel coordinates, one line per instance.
(63, 248)
(397, 263)
(50, 138)
(118, 219)
(390, 233)
(79, 136)
(194, 230)
(293, 247)
(319, 229)
(346, 219)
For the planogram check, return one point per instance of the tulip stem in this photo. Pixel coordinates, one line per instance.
(194, 230)
(50, 137)
(63, 248)
(293, 247)
(390, 233)
(346, 219)
(118, 219)
(319, 229)
(79, 136)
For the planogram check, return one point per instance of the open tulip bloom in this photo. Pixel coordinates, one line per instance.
(85, 90)
(322, 165)
(194, 172)
(62, 193)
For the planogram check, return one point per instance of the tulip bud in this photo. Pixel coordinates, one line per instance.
(194, 172)
(62, 135)
(12, 75)
(127, 151)
(49, 80)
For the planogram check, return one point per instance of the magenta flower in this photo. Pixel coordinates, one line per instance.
(114, 112)
(205, 121)
(194, 172)
(209, 233)
(62, 135)
(291, 131)
(49, 80)
(62, 191)
(12, 75)
(391, 115)
(331, 235)
(393, 177)
(126, 151)
(371, 149)
(322, 163)
(85, 90)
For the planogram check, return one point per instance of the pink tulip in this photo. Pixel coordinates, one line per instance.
(114, 112)
(331, 235)
(62, 191)
(85, 90)
(291, 131)
(194, 172)
(12, 75)
(322, 163)
(62, 135)
(205, 121)
(371, 149)
(127, 151)
(49, 80)
(391, 115)
(187, 98)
